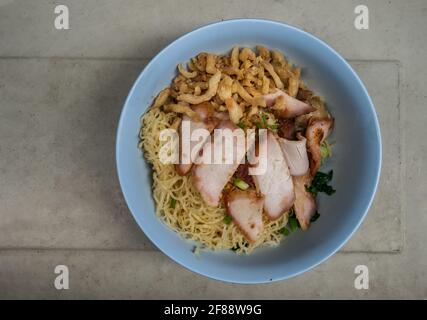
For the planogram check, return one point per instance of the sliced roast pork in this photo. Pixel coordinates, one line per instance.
(317, 131)
(295, 153)
(305, 204)
(211, 178)
(245, 207)
(289, 107)
(275, 183)
(207, 121)
(287, 129)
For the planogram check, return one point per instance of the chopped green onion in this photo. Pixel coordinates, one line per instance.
(227, 219)
(264, 120)
(241, 125)
(325, 150)
(258, 125)
(239, 183)
(293, 223)
(172, 203)
(285, 231)
(315, 217)
(273, 127)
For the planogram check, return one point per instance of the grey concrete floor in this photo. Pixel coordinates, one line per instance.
(61, 93)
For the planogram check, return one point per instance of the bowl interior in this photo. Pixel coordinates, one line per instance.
(356, 160)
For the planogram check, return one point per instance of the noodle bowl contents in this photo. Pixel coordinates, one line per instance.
(236, 143)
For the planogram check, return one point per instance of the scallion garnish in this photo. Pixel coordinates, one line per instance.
(264, 120)
(172, 203)
(239, 183)
(273, 127)
(241, 125)
(285, 231)
(227, 219)
(325, 150)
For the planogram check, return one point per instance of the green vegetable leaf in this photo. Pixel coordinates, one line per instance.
(239, 183)
(228, 219)
(258, 125)
(285, 231)
(293, 223)
(315, 217)
(320, 184)
(172, 203)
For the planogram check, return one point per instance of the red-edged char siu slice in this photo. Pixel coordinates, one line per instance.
(211, 178)
(245, 207)
(291, 107)
(276, 183)
(208, 122)
(305, 204)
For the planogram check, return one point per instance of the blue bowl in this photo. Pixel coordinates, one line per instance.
(356, 161)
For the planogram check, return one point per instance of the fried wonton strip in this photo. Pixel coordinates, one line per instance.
(201, 84)
(225, 88)
(254, 92)
(233, 71)
(210, 64)
(293, 87)
(191, 66)
(267, 66)
(253, 111)
(297, 72)
(264, 53)
(179, 108)
(186, 73)
(243, 93)
(212, 89)
(255, 103)
(235, 110)
(265, 85)
(161, 98)
(247, 54)
(277, 56)
(235, 58)
(200, 61)
(259, 101)
(197, 91)
(246, 65)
